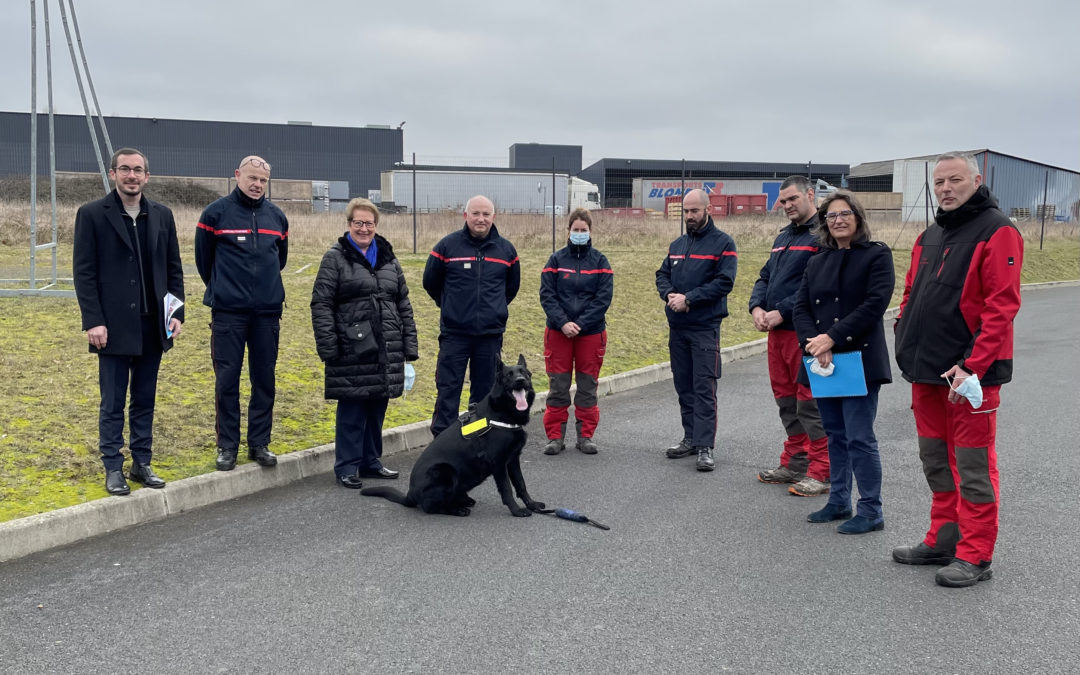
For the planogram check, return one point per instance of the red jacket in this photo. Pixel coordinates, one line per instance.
(961, 294)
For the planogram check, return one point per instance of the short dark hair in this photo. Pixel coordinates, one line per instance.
(579, 214)
(862, 228)
(801, 183)
(129, 151)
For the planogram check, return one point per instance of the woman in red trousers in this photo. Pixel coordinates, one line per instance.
(575, 291)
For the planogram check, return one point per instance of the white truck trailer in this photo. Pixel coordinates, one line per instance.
(511, 191)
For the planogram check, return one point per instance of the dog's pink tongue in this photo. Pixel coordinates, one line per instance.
(522, 402)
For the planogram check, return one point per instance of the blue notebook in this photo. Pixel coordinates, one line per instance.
(847, 378)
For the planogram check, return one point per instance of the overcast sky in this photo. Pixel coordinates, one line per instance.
(826, 82)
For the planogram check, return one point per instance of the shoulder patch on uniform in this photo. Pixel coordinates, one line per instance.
(1012, 261)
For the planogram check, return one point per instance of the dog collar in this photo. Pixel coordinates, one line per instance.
(481, 426)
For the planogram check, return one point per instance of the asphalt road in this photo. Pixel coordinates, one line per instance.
(700, 573)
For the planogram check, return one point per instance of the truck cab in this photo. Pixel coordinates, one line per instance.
(583, 194)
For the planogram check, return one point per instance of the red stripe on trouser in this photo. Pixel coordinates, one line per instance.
(584, 355)
(785, 358)
(961, 426)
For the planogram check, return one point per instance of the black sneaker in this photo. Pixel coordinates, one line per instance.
(704, 459)
(682, 449)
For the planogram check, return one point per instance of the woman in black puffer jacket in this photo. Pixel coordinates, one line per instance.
(364, 334)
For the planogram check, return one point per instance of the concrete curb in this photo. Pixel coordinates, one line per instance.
(44, 531)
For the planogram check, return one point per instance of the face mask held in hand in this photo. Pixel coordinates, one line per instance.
(969, 388)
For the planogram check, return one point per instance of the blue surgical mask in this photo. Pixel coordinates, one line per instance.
(579, 238)
(970, 389)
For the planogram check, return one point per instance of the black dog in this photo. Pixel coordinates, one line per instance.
(487, 442)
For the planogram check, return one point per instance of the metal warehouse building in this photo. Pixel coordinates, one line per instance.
(1019, 185)
(541, 156)
(200, 148)
(615, 176)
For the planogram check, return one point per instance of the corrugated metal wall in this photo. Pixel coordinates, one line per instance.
(208, 149)
(1018, 185)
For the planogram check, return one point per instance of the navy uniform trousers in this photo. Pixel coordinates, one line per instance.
(695, 368)
(229, 333)
(115, 374)
(479, 352)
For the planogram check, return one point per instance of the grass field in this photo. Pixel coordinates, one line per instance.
(48, 423)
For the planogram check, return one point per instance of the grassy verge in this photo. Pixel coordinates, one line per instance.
(48, 423)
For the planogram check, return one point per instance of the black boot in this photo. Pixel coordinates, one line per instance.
(940, 554)
(262, 455)
(142, 473)
(555, 445)
(226, 459)
(585, 445)
(705, 460)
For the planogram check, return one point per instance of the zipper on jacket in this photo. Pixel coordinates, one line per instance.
(479, 283)
(254, 260)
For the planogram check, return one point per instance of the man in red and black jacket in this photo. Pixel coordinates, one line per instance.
(241, 245)
(804, 460)
(472, 275)
(954, 335)
(694, 281)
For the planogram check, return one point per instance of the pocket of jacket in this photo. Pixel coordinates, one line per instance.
(361, 339)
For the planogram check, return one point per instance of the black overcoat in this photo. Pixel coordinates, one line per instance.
(106, 271)
(349, 292)
(844, 293)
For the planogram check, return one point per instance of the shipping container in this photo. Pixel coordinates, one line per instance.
(652, 193)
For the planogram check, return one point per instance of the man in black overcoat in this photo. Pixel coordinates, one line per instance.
(126, 258)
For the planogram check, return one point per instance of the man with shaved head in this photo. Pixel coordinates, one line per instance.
(694, 281)
(241, 245)
(472, 274)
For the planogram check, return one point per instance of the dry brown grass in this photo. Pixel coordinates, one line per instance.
(528, 232)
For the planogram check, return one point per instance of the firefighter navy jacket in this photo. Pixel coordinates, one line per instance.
(241, 245)
(473, 281)
(576, 285)
(701, 265)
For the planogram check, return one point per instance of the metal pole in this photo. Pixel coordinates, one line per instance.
(553, 200)
(33, 138)
(82, 95)
(89, 81)
(682, 193)
(1042, 226)
(926, 192)
(414, 202)
(52, 138)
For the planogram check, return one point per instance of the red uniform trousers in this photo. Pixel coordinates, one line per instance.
(806, 449)
(956, 446)
(562, 356)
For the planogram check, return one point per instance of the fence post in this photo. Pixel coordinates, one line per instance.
(1042, 226)
(682, 193)
(414, 203)
(553, 200)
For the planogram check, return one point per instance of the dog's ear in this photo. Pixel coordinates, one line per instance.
(499, 362)
(521, 359)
